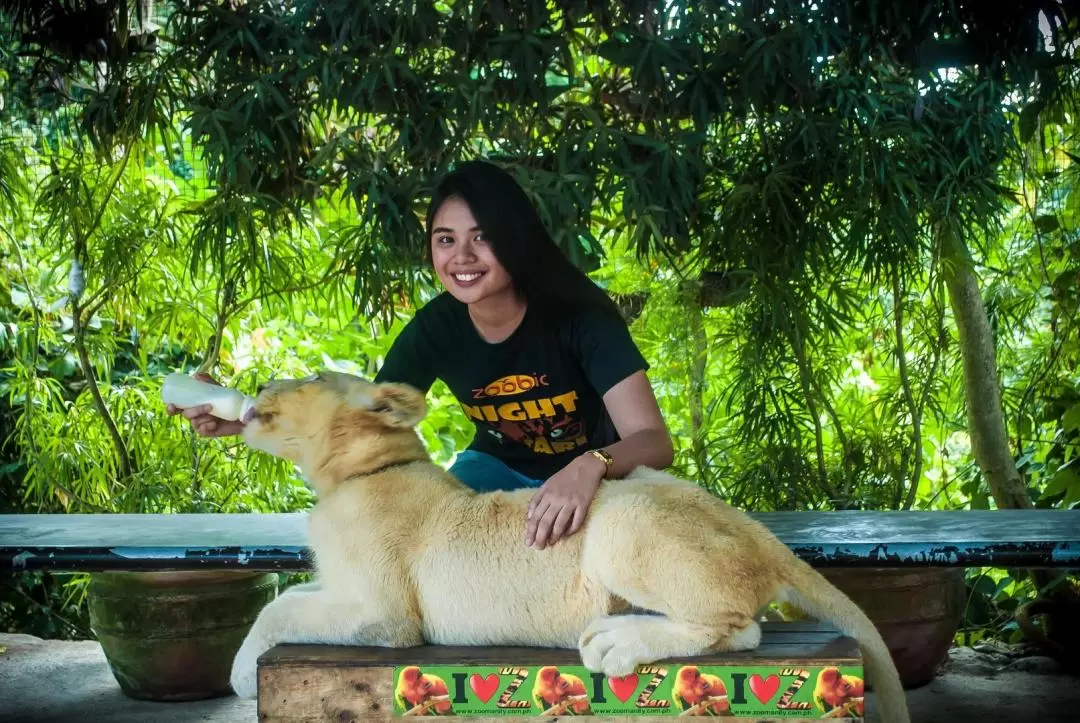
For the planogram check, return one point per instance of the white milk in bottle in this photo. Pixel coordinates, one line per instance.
(186, 391)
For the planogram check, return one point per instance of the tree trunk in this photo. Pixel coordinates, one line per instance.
(986, 420)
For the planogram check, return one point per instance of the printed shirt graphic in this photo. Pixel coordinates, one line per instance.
(519, 408)
(536, 398)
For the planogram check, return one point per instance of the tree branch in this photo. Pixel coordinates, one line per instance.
(225, 308)
(805, 379)
(35, 337)
(79, 260)
(905, 385)
(95, 392)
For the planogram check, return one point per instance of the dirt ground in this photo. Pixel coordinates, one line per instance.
(43, 681)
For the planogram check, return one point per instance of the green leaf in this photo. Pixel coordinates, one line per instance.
(1046, 223)
(1071, 419)
(1065, 479)
(1029, 120)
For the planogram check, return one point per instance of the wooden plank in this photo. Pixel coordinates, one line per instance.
(330, 656)
(804, 637)
(343, 683)
(278, 541)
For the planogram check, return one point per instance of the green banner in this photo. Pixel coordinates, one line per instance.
(654, 690)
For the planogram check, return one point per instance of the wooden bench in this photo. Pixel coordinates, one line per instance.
(340, 683)
(968, 538)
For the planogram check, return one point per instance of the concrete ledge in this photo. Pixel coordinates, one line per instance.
(52, 680)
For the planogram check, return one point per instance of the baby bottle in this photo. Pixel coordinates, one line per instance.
(186, 391)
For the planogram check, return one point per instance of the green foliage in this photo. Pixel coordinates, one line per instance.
(242, 185)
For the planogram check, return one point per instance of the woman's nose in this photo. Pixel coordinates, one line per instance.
(465, 251)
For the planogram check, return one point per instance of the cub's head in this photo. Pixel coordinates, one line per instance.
(332, 421)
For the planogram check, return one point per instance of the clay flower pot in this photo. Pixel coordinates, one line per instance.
(916, 611)
(172, 636)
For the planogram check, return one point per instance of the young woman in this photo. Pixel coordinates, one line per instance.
(536, 354)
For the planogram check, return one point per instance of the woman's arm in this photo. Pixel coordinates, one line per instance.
(644, 438)
(559, 506)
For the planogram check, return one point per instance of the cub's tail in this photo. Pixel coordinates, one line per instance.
(806, 589)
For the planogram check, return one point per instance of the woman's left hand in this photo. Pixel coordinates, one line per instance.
(558, 508)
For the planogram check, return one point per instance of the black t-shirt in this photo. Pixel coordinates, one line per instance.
(536, 398)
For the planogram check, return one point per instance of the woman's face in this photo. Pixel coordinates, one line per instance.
(462, 257)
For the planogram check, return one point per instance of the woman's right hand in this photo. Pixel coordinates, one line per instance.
(204, 423)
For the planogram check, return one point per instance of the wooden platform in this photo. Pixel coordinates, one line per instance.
(335, 683)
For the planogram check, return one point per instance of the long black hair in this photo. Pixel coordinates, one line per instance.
(541, 272)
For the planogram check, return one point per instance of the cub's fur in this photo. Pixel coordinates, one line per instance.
(405, 554)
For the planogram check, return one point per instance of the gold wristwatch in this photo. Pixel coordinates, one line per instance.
(604, 457)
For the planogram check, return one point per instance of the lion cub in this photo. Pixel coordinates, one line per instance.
(405, 554)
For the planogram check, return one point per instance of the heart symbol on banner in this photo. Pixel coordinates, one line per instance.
(623, 687)
(484, 687)
(764, 688)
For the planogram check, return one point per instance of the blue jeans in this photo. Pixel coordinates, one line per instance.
(485, 473)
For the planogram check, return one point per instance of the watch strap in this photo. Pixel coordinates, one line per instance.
(603, 456)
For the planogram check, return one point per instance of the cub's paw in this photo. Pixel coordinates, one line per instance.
(614, 646)
(244, 677)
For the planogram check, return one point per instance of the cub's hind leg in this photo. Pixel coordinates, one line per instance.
(702, 586)
(616, 645)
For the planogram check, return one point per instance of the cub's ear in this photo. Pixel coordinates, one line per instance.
(397, 405)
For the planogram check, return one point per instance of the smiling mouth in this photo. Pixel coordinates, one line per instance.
(468, 278)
